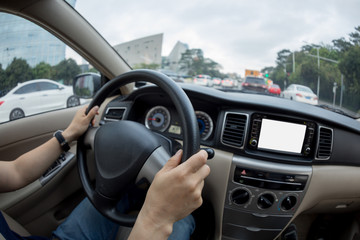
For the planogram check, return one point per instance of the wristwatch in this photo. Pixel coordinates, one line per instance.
(63, 143)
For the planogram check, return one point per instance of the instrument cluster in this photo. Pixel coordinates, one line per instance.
(160, 118)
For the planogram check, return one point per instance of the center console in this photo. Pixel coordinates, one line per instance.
(262, 197)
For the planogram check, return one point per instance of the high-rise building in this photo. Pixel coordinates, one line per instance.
(145, 50)
(20, 38)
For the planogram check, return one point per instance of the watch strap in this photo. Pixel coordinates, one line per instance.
(63, 143)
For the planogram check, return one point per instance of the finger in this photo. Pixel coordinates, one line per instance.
(92, 112)
(203, 172)
(174, 161)
(84, 109)
(196, 161)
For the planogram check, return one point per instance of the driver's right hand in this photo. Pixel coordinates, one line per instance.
(174, 193)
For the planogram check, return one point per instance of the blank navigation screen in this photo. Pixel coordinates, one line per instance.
(281, 136)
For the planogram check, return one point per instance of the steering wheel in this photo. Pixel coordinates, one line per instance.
(127, 151)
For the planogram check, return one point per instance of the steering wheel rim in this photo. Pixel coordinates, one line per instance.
(191, 139)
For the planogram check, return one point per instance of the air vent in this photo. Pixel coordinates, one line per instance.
(234, 129)
(114, 114)
(325, 143)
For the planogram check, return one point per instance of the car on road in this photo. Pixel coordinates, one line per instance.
(254, 84)
(216, 82)
(300, 93)
(227, 83)
(203, 80)
(36, 96)
(274, 89)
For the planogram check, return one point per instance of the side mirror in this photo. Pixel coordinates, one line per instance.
(86, 85)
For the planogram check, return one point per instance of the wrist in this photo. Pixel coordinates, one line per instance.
(149, 227)
(62, 140)
(69, 135)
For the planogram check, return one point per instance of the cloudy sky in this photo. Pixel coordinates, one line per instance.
(237, 34)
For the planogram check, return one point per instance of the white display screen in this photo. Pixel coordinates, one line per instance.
(281, 136)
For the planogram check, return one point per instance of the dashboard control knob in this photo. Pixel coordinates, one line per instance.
(288, 203)
(210, 152)
(265, 201)
(253, 142)
(240, 196)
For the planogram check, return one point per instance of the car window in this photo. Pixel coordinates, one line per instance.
(34, 60)
(303, 89)
(47, 86)
(29, 88)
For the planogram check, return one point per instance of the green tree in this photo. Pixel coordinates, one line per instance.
(307, 70)
(341, 44)
(66, 70)
(18, 71)
(355, 36)
(282, 57)
(193, 62)
(43, 70)
(350, 67)
(267, 70)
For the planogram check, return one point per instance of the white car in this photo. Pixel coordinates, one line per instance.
(300, 93)
(203, 80)
(228, 83)
(36, 96)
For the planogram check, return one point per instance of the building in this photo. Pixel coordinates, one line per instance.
(145, 50)
(175, 55)
(23, 39)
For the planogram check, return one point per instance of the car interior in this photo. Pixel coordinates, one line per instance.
(280, 167)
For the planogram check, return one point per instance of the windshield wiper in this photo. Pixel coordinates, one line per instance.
(336, 110)
(243, 91)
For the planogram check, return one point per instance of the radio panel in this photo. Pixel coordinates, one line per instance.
(281, 135)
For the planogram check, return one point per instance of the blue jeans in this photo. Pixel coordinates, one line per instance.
(85, 222)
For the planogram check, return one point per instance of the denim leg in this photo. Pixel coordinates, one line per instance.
(85, 222)
(183, 229)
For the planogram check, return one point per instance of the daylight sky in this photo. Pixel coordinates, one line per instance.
(237, 34)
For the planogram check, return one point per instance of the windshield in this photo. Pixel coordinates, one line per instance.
(255, 80)
(314, 45)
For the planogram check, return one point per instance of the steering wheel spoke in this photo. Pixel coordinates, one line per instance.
(153, 164)
(89, 138)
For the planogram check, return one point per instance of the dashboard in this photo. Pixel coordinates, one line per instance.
(274, 143)
(264, 127)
